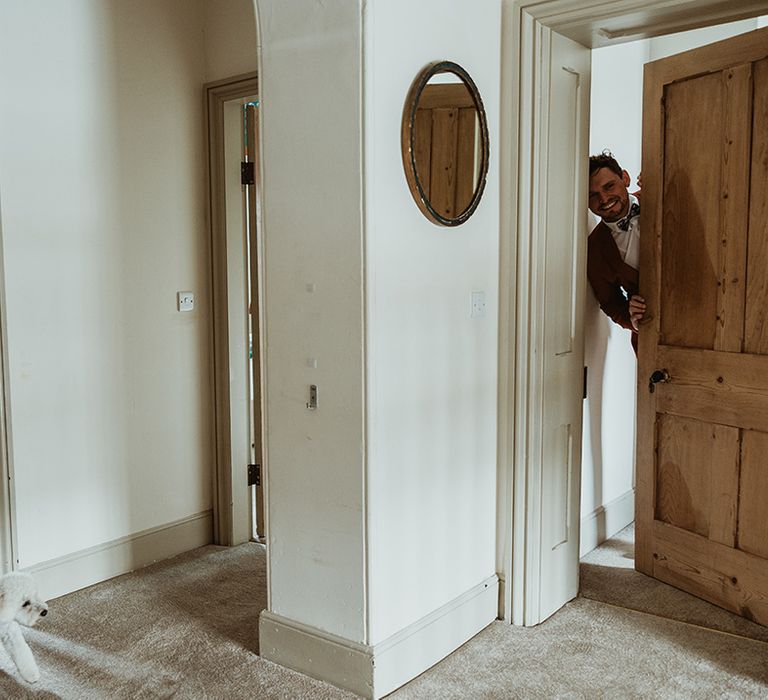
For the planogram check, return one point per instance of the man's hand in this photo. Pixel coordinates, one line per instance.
(636, 310)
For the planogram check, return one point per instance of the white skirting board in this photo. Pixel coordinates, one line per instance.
(606, 521)
(74, 571)
(375, 671)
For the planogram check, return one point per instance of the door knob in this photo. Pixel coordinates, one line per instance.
(660, 375)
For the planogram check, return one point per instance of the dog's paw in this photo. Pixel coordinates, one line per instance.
(31, 674)
(28, 668)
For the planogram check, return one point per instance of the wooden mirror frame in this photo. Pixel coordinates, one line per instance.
(407, 146)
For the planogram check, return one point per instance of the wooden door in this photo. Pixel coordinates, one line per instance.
(702, 442)
(446, 148)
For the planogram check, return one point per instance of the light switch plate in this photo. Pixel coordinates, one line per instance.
(477, 309)
(185, 301)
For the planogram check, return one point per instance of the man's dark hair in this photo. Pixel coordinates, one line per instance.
(604, 160)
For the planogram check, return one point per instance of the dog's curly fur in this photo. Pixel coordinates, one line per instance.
(20, 605)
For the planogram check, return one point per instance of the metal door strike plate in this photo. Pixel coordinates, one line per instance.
(312, 403)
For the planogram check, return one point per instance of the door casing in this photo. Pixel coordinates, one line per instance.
(231, 408)
(8, 540)
(525, 23)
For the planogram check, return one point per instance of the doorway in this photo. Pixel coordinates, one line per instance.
(235, 214)
(607, 495)
(532, 487)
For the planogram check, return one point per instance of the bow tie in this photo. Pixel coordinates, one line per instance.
(634, 211)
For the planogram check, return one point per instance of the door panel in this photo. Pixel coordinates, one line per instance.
(753, 495)
(756, 325)
(702, 482)
(445, 136)
(693, 124)
(563, 343)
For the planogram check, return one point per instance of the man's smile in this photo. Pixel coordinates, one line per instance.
(610, 204)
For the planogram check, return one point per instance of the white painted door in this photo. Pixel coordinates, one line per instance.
(564, 229)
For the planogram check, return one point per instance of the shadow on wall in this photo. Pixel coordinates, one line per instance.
(597, 332)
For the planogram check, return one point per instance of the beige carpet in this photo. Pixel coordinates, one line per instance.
(187, 628)
(608, 575)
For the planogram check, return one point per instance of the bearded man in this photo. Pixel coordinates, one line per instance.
(613, 249)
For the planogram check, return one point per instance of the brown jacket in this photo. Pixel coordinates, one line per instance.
(612, 280)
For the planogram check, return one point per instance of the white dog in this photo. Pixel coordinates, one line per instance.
(20, 604)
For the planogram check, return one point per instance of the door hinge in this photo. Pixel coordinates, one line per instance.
(254, 475)
(585, 384)
(247, 173)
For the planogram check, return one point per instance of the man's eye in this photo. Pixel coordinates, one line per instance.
(26, 604)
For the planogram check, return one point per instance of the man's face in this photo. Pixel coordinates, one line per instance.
(608, 196)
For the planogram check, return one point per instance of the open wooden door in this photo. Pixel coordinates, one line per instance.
(702, 442)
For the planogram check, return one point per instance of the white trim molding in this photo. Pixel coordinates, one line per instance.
(86, 567)
(606, 520)
(374, 671)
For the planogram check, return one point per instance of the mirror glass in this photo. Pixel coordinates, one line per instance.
(445, 143)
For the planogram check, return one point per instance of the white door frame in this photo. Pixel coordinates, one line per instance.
(526, 26)
(8, 541)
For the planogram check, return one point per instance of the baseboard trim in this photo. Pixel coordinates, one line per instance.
(86, 567)
(316, 653)
(421, 645)
(605, 521)
(375, 671)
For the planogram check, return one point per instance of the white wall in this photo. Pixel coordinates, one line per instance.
(103, 221)
(412, 487)
(676, 43)
(231, 46)
(609, 412)
(432, 370)
(313, 255)
(102, 183)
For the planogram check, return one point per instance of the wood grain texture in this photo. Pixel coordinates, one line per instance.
(650, 254)
(756, 321)
(466, 161)
(725, 462)
(702, 483)
(422, 147)
(753, 498)
(683, 473)
(442, 196)
(721, 55)
(446, 96)
(734, 210)
(691, 210)
(725, 388)
(727, 577)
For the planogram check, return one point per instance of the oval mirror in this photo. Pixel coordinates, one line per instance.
(444, 139)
